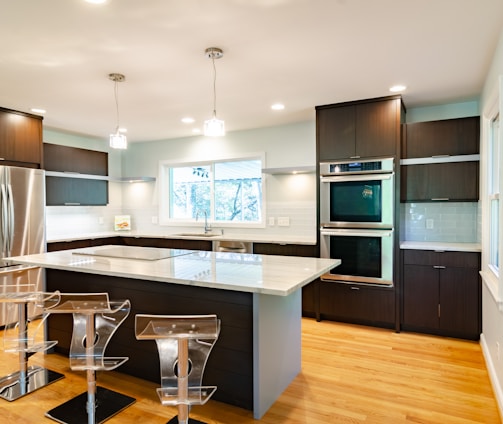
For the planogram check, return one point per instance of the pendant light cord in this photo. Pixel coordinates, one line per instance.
(214, 86)
(116, 94)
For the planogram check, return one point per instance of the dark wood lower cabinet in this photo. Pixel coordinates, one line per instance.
(357, 304)
(442, 293)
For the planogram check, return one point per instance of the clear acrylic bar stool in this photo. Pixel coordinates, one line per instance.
(18, 339)
(184, 343)
(95, 319)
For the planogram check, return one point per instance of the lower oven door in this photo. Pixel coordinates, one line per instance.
(366, 255)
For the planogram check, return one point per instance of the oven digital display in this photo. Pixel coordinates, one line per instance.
(355, 167)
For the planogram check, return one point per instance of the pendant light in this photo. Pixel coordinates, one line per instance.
(214, 127)
(117, 140)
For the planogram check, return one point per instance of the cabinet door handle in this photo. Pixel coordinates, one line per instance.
(441, 156)
(354, 157)
(72, 204)
(355, 288)
(437, 199)
(439, 266)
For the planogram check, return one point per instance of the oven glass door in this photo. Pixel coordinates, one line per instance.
(366, 255)
(363, 201)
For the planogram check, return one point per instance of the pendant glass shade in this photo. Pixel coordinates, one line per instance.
(214, 127)
(118, 141)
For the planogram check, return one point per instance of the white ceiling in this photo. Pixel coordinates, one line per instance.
(57, 54)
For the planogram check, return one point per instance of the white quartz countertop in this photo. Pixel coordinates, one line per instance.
(191, 235)
(264, 274)
(436, 245)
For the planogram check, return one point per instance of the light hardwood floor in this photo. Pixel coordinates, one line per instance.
(350, 374)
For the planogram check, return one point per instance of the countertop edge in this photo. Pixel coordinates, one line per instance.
(273, 238)
(435, 245)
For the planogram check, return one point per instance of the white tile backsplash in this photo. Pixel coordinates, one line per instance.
(452, 222)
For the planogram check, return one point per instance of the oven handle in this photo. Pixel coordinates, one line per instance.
(358, 177)
(356, 233)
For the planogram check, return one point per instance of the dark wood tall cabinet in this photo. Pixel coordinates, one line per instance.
(20, 139)
(369, 128)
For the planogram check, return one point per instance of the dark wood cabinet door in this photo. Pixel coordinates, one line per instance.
(20, 138)
(420, 297)
(460, 302)
(357, 304)
(62, 191)
(70, 159)
(377, 128)
(445, 137)
(336, 131)
(452, 181)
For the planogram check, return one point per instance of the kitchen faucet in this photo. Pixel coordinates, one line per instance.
(207, 227)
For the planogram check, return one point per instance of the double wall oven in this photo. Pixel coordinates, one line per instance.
(357, 203)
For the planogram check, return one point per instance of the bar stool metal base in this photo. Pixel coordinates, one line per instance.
(12, 388)
(108, 404)
(174, 420)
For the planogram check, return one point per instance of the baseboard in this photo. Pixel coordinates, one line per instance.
(493, 377)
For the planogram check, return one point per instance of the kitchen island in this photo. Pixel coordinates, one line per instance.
(256, 297)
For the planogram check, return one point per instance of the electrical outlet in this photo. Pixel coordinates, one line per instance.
(429, 224)
(271, 221)
(283, 221)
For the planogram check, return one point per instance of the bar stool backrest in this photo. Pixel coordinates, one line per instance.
(201, 332)
(108, 316)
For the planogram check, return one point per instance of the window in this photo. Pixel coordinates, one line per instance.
(226, 192)
(494, 209)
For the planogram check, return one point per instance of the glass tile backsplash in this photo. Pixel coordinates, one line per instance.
(440, 221)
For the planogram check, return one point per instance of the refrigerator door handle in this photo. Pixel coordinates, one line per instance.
(10, 239)
(4, 230)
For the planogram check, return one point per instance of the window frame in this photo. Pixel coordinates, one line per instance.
(164, 187)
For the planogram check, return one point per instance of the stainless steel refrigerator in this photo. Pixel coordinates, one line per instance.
(22, 227)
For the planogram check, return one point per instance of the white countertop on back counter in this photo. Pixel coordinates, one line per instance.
(438, 245)
(190, 235)
(264, 274)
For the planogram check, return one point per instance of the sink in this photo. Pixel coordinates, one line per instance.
(210, 234)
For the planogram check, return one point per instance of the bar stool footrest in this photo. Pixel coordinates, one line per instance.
(31, 348)
(97, 364)
(195, 396)
(108, 404)
(12, 388)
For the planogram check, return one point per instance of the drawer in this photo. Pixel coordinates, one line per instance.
(444, 258)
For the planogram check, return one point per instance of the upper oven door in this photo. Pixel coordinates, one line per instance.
(357, 201)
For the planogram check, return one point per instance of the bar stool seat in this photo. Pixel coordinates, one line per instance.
(18, 339)
(95, 318)
(184, 343)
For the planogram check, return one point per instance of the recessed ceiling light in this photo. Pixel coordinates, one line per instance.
(36, 110)
(277, 106)
(397, 88)
(96, 1)
(188, 120)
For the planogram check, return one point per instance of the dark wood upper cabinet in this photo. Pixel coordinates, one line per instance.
(360, 129)
(438, 138)
(71, 159)
(20, 138)
(78, 190)
(425, 177)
